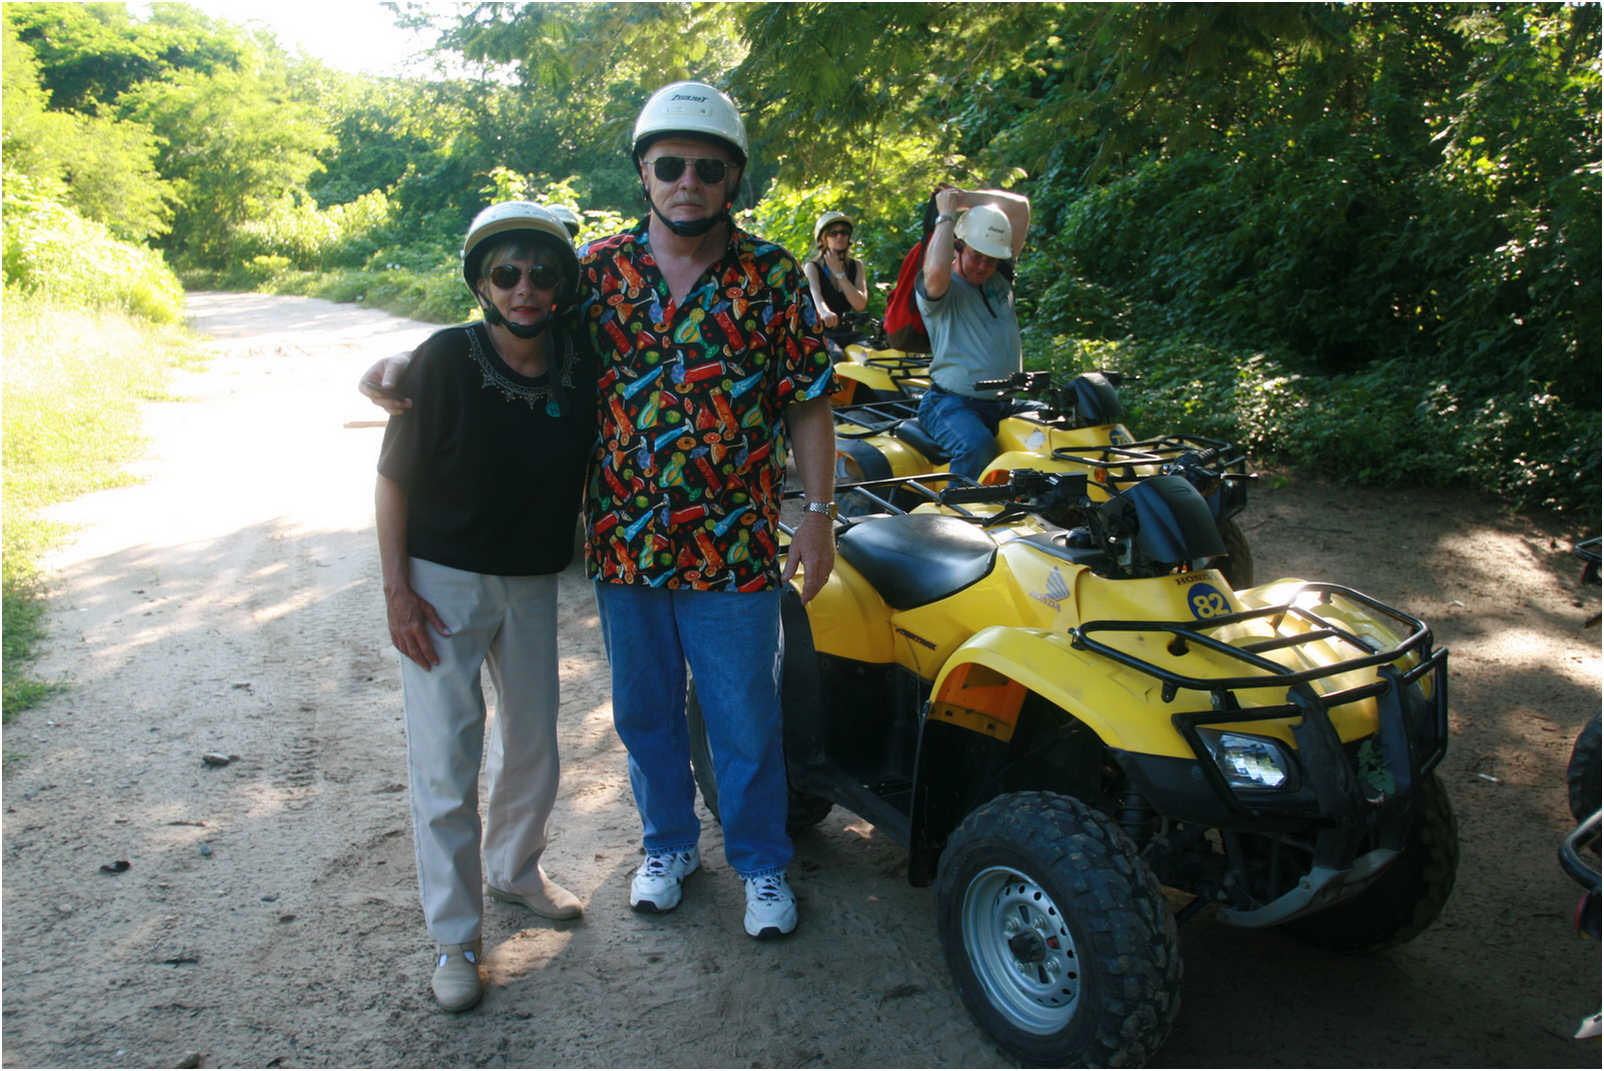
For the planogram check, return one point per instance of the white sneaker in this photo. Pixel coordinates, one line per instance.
(657, 884)
(770, 906)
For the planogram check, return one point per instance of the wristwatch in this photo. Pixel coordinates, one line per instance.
(826, 508)
(944, 217)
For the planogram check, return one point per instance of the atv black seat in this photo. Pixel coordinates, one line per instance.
(914, 434)
(917, 558)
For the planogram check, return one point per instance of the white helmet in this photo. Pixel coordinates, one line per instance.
(507, 216)
(567, 217)
(986, 229)
(827, 219)
(694, 109)
(504, 217)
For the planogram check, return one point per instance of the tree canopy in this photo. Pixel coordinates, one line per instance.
(1390, 202)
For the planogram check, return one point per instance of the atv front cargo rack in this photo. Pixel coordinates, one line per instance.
(1412, 728)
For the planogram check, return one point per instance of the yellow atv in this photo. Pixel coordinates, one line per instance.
(868, 369)
(883, 437)
(1059, 723)
(1079, 430)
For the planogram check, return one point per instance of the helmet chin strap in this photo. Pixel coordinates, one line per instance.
(494, 318)
(693, 228)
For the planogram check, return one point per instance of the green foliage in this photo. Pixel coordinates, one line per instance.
(101, 167)
(1364, 236)
(74, 378)
(94, 53)
(1382, 425)
(259, 146)
(309, 237)
(46, 246)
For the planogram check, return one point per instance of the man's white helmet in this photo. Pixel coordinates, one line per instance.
(986, 229)
(694, 109)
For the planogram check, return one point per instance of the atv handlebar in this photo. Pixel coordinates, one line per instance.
(1019, 382)
(1026, 487)
(1025, 382)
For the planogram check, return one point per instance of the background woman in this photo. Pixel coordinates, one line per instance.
(840, 284)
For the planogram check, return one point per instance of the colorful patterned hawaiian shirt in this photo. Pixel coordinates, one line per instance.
(685, 483)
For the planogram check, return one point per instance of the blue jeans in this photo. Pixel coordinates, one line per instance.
(732, 643)
(966, 428)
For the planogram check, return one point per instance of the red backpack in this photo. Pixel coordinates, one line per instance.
(905, 328)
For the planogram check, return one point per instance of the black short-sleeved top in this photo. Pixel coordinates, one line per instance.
(492, 462)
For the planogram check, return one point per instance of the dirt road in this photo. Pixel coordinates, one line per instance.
(268, 916)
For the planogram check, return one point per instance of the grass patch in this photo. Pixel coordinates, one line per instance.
(74, 380)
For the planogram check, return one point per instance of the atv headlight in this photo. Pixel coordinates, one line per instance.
(1250, 761)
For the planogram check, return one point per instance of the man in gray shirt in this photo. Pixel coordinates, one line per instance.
(968, 309)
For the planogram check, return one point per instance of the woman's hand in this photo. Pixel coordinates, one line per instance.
(411, 616)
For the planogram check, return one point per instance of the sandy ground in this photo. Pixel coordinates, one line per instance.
(269, 917)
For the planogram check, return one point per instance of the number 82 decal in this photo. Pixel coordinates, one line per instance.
(1205, 601)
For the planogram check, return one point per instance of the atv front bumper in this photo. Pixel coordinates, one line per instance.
(1352, 802)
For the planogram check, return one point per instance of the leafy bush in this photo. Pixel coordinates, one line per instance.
(45, 242)
(342, 235)
(1389, 423)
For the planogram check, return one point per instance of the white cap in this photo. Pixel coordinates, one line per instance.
(827, 219)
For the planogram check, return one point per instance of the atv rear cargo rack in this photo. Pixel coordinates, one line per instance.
(1412, 730)
(864, 419)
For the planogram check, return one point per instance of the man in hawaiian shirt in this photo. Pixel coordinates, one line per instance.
(710, 354)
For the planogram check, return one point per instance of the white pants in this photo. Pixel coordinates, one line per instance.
(510, 625)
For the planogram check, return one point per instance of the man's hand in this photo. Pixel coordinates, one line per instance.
(813, 548)
(380, 382)
(411, 617)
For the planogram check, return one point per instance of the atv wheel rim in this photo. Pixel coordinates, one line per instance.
(1021, 950)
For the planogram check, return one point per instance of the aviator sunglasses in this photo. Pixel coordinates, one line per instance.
(708, 169)
(541, 276)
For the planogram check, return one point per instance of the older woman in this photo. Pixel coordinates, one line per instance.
(479, 485)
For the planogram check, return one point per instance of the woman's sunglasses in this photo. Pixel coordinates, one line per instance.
(541, 276)
(708, 169)
(838, 232)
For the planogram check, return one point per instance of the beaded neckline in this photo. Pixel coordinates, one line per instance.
(531, 393)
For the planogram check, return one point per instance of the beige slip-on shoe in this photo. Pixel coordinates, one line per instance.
(456, 976)
(550, 900)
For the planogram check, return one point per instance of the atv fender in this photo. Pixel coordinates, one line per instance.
(984, 682)
(1005, 463)
(869, 376)
(976, 700)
